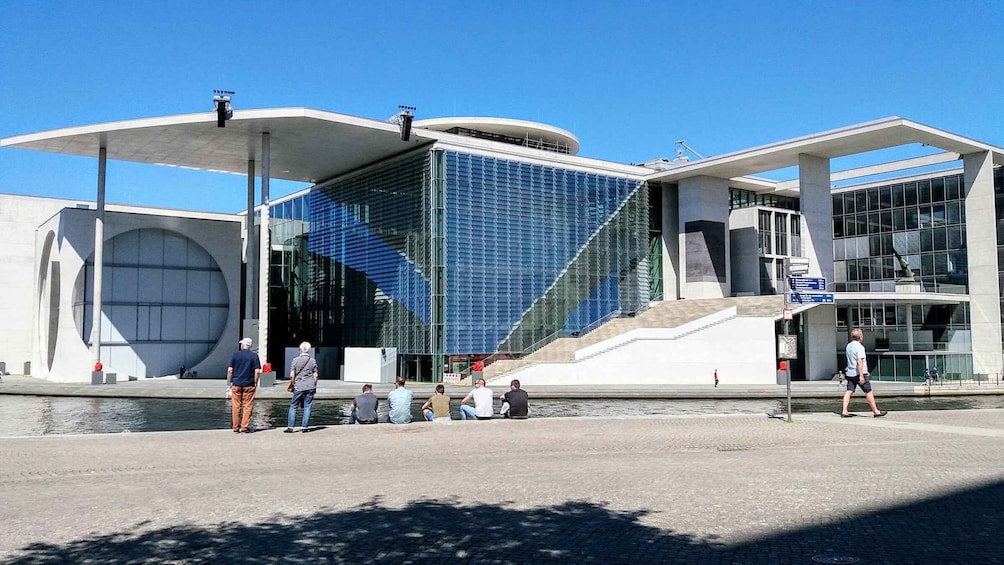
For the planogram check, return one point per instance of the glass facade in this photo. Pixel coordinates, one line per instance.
(533, 250)
(923, 221)
(449, 253)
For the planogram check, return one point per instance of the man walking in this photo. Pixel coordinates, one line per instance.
(243, 373)
(857, 375)
(303, 374)
(364, 407)
(482, 398)
(400, 403)
(519, 402)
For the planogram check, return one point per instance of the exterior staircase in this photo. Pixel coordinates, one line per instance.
(665, 314)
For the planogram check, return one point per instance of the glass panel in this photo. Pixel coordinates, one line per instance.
(898, 199)
(910, 189)
(924, 191)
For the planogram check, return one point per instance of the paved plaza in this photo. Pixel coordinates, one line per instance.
(914, 487)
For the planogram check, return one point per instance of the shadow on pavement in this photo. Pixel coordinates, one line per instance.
(959, 528)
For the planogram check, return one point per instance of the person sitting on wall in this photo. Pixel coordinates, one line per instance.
(518, 401)
(364, 407)
(482, 398)
(400, 403)
(437, 408)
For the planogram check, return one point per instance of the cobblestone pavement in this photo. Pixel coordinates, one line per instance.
(923, 487)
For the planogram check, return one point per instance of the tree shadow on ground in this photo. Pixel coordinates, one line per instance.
(962, 527)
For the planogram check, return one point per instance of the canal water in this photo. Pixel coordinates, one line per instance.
(35, 415)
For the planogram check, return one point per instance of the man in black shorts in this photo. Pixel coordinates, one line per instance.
(857, 375)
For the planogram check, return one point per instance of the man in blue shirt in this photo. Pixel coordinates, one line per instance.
(400, 403)
(857, 374)
(242, 379)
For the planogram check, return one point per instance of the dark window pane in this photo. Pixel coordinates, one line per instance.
(926, 264)
(885, 197)
(952, 188)
(940, 239)
(898, 199)
(849, 203)
(873, 199)
(926, 240)
(886, 217)
(941, 264)
(874, 224)
(924, 191)
(860, 201)
(912, 220)
(910, 189)
(899, 219)
(938, 217)
(838, 204)
(953, 214)
(875, 245)
(938, 190)
(956, 238)
(838, 227)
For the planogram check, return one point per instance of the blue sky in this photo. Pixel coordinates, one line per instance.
(628, 78)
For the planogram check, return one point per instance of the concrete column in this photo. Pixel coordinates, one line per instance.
(909, 327)
(816, 222)
(816, 211)
(670, 243)
(99, 248)
(981, 246)
(265, 250)
(820, 339)
(250, 258)
(703, 204)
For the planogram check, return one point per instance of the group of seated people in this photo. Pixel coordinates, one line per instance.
(515, 404)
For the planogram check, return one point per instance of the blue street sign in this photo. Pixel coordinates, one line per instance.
(806, 298)
(799, 284)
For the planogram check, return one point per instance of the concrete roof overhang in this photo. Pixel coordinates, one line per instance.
(306, 145)
(861, 138)
(845, 298)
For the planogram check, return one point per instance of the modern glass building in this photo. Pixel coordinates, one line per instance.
(445, 254)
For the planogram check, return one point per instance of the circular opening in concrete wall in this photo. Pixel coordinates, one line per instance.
(164, 303)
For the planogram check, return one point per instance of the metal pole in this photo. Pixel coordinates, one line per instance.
(250, 273)
(99, 247)
(787, 332)
(264, 251)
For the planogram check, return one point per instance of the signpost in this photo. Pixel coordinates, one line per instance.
(798, 290)
(812, 298)
(802, 284)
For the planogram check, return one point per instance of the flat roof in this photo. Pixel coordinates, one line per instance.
(306, 145)
(522, 129)
(861, 138)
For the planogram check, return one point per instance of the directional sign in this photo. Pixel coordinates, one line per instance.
(806, 298)
(807, 283)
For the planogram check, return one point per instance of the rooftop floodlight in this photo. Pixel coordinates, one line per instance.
(221, 101)
(405, 118)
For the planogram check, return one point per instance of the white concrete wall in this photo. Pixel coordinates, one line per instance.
(61, 352)
(20, 216)
(740, 348)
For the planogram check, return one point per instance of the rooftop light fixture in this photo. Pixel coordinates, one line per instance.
(405, 118)
(221, 101)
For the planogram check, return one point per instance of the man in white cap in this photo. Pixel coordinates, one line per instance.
(242, 378)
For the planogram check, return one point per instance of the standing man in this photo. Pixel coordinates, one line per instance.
(242, 379)
(857, 375)
(437, 408)
(519, 402)
(364, 407)
(400, 403)
(303, 374)
(716, 378)
(482, 397)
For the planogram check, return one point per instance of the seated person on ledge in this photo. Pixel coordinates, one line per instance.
(519, 403)
(364, 407)
(482, 397)
(437, 408)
